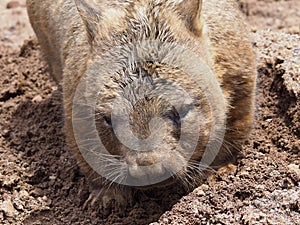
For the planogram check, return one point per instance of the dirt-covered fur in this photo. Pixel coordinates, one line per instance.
(74, 34)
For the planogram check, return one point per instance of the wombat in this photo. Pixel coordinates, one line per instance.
(173, 82)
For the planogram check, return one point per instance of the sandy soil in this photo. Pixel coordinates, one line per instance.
(40, 183)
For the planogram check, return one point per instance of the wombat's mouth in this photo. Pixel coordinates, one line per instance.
(154, 165)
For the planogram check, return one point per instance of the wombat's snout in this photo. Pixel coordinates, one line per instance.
(154, 137)
(148, 136)
(144, 164)
(154, 164)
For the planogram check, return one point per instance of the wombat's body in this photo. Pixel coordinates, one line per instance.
(73, 33)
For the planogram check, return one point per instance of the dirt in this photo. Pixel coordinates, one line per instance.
(40, 183)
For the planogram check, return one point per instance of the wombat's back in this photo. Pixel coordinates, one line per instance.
(235, 67)
(60, 32)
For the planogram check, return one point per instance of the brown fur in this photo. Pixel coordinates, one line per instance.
(72, 36)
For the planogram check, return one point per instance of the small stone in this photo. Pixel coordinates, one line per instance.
(295, 169)
(18, 204)
(44, 198)
(199, 192)
(244, 174)
(261, 187)
(37, 192)
(54, 88)
(204, 187)
(8, 208)
(294, 30)
(10, 181)
(45, 201)
(52, 177)
(6, 133)
(37, 99)
(1, 216)
(24, 193)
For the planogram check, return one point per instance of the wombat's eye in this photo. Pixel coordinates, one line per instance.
(107, 120)
(174, 117)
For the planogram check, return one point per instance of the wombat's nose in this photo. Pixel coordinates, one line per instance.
(145, 164)
(142, 158)
(148, 171)
(145, 160)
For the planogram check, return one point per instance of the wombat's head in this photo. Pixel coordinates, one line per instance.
(155, 100)
(116, 22)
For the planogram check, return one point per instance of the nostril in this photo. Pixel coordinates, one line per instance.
(145, 160)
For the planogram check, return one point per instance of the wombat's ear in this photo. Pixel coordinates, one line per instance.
(90, 14)
(190, 12)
